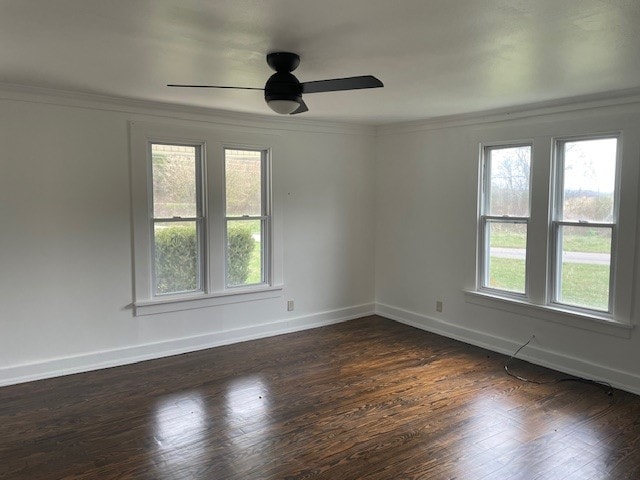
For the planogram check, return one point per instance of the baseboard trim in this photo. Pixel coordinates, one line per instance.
(124, 356)
(128, 355)
(534, 354)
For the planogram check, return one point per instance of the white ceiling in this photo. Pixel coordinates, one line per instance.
(435, 57)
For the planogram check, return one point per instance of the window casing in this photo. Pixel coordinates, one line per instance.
(573, 243)
(233, 250)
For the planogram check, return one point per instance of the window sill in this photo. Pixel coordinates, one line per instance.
(188, 302)
(594, 323)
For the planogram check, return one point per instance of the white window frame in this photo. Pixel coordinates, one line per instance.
(264, 217)
(557, 222)
(200, 219)
(540, 242)
(485, 219)
(214, 290)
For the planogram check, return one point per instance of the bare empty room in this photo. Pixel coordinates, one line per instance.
(319, 240)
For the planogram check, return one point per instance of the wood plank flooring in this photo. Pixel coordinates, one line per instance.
(366, 399)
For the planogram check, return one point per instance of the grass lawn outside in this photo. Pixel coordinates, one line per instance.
(507, 274)
(583, 285)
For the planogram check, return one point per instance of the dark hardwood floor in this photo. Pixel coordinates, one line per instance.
(368, 399)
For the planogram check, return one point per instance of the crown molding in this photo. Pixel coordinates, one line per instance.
(626, 98)
(132, 106)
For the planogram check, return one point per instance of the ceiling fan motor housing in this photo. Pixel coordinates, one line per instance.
(283, 61)
(283, 86)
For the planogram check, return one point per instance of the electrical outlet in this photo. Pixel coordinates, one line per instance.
(438, 306)
(289, 305)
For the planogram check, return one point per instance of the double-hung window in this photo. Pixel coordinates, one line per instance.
(246, 216)
(204, 234)
(177, 219)
(504, 218)
(565, 198)
(584, 223)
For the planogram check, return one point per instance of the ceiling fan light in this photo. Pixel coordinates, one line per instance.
(283, 107)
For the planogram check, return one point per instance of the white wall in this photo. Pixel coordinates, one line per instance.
(427, 190)
(65, 241)
(400, 207)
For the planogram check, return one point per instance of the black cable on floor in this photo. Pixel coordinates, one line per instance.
(606, 387)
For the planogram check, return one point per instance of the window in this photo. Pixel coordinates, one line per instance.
(247, 216)
(548, 226)
(584, 222)
(204, 233)
(177, 219)
(505, 218)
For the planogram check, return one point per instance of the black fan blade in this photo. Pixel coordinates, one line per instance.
(336, 84)
(301, 109)
(212, 86)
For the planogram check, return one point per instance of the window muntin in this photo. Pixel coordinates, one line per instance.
(247, 219)
(584, 223)
(177, 221)
(504, 218)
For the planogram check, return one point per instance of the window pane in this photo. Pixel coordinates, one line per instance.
(585, 266)
(177, 258)
(507, 256)
(174, 181)
(509, 169)
(243, 178)
(589, 179)
(244, 252)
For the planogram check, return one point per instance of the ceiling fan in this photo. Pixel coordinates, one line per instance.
(283, 91)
